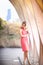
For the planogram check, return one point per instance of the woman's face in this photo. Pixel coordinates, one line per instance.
(23, 25)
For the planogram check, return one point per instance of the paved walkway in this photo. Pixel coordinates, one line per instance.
(14, 56)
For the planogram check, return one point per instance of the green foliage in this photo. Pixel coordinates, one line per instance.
(2, 23)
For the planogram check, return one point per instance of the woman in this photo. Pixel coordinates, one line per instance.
(24, 41)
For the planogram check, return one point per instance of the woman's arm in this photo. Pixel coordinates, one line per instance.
(22, 34)
(27, 31)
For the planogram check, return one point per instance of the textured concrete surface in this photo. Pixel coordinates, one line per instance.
(14, 56)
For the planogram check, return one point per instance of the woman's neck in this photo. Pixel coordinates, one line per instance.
(23, 28)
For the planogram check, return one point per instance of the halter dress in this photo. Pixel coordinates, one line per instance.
(24, 40)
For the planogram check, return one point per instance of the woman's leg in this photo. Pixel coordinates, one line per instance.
(27, 58)
(24, 56)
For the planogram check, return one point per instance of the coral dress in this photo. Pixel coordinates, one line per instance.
(24, 41)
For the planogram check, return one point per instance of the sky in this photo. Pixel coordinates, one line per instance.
(7, 11)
